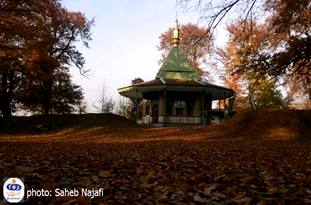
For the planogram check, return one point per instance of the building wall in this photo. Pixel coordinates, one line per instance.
(163, 118)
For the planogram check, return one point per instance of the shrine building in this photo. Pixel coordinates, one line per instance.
(178, 94)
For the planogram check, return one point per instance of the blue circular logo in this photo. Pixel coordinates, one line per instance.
(13, 190)
(14, 187)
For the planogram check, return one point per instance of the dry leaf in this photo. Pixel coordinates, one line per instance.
(197, 198)
(104, 173)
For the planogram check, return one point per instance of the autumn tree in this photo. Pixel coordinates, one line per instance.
(292, 19)
(41, 36)
(195, 50)
(66, 96)
(15, 29)
(57, 50)
(241, 62)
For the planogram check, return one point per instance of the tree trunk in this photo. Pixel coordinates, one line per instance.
(309, 87)
(251, 98)
(6, 95)
(48, 90)
(48, 99)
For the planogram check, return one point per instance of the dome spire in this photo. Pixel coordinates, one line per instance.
(176, 30)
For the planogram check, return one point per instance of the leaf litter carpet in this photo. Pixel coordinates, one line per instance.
(159, 166)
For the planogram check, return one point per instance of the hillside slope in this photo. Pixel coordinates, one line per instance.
(267, 124)
(38, 123)
(230, 163)
(270, 124)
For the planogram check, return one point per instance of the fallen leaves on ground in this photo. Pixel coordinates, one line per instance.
(225, 164)
(165, 172)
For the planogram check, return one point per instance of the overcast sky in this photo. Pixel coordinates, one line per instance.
(125, 39)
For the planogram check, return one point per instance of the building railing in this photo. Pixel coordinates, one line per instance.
(179, 119)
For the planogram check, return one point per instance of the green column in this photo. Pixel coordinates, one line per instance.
(225, 103)
(203, 108)
(218, 106)
(231, 104)
(164, 101)
(208, 103)
(137, 106)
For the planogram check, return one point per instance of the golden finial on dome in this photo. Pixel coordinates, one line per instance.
(176, 30)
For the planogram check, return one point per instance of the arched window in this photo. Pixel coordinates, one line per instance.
(180, 107)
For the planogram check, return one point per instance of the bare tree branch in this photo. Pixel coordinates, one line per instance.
(218, 16)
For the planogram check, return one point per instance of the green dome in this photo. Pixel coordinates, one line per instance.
(177, 66)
